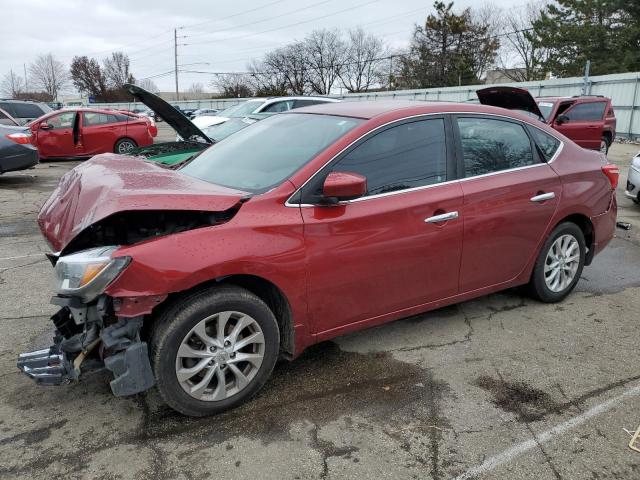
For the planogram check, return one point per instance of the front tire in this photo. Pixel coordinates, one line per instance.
(605, 143)
(559, 264)
(213, 350)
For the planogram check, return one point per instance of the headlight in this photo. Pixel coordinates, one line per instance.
(86, 274)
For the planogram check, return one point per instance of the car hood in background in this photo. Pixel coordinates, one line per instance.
(510, 98)
(174, 118)
(111, 183)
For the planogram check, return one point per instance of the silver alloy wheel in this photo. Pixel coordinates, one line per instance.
(125, 146)
(561, 264)
(220, 356)
(603, 146)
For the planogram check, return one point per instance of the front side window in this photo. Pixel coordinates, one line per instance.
(263, 155)
(405, 156)
(62, 120)
(547, 144)
(490, 145)
(545, 109)
(587, 111)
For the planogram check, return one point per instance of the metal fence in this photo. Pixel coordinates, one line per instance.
(622, 88)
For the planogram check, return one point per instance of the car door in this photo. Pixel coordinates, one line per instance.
(584, 124)
(55, 135)
(386, 251)
(510, 196)
(100, 131)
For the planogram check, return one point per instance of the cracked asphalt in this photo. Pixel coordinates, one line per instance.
(499, 387)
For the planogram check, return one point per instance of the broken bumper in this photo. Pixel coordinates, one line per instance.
(87, 340)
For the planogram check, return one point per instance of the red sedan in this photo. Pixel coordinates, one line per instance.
(85, 132)
(305, 226)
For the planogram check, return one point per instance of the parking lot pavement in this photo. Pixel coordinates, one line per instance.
(498, 387)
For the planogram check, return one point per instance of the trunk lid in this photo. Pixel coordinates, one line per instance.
(511, 98)
(174, 118)
(111, 183)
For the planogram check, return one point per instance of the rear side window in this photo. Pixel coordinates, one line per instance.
(279, 106)
(547, 144)
(490, 145)
(406, 156)
(27, 110)
(91, 119)
(307, 103)
(587, 111)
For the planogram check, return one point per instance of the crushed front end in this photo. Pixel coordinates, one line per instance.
(89, 335)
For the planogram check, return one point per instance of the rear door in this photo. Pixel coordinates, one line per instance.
(101, 131)
(585, 123)
(510, 195)
(385, 252)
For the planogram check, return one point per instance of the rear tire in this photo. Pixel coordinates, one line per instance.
(559, 264)
(201, 370)
(124, 146)
(605, 143)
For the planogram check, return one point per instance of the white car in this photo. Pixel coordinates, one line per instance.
(259, 105)
(633, 180)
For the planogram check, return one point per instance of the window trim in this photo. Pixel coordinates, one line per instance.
(294, 201)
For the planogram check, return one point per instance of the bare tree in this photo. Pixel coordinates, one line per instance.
(291, 63)
(196, 88)
(487, 25)
(364, 64)
(325, 53)
(521, 60)
(48, 74)
(12, 85)
(148, 84)
(233, 85)
(266, 82)
(116, 70)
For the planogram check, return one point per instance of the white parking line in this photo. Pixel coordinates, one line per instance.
(511, 453)
(23, 256)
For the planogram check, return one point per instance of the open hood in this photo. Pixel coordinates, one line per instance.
(511, 98)
(174, 118)
(109, 184)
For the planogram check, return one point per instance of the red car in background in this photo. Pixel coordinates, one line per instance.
(588, 120)
(84, 132)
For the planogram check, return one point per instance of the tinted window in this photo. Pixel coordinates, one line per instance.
(307, 103)
(6, 106)
(5, 120)
(492, 145)
(27, 110)
(587, 111)
(548, 144)
(62, 120)
(91, 119)
(279, 106)
(260, 157)
(407, 156)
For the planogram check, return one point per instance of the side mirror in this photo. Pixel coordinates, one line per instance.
(44, 126)
(339, 186)
(560, 119)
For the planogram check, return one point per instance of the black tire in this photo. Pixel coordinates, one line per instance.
(124, 142)
(605, 143)
(175, 323)
(538, 287)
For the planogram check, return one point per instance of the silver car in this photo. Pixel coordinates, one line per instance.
(633, 180)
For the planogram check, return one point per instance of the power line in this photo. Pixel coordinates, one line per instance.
(260, 21)
(234, 15)
(286, 26)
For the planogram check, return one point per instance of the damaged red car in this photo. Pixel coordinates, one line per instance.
(306, 226)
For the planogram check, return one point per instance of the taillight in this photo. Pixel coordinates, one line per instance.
(21, 138)
(613, 173)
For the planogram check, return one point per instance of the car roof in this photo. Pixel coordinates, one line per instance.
(370, 109)
(577, 97)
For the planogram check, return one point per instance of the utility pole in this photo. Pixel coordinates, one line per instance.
(390, 72)
(175, 58)
(585, 81)
(26, 83)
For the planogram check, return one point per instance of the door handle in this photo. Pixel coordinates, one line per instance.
(543, 197)
(442, 217)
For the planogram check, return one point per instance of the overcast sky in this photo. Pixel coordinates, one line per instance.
(219, 36)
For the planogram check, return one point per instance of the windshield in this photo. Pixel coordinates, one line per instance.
(242, 109)
(545, 109)
(223, 130)
(261, 156)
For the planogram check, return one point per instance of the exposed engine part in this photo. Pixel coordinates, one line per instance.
(49, 366)
(128, 228)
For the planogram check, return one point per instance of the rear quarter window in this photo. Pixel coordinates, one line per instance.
(27, 110)
(548, 144)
